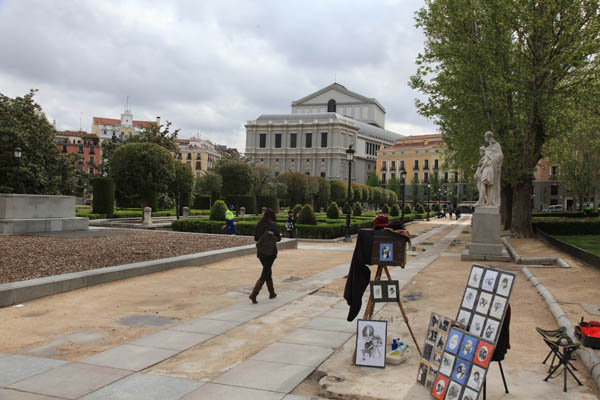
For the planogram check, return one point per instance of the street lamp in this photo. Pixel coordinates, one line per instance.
(17, 152)
(403, 176)
(428, 199)
(349, 157)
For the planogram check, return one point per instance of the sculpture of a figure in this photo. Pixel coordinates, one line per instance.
(489, 172)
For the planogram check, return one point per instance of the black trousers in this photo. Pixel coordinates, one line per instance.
(267, 263)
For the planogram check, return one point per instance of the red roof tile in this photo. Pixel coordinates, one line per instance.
(112, 121)
(77, 134)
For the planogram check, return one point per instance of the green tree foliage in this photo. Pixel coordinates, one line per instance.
(395, 185)
(357, 209)
(378, 196)
(577, 155)
(307, 216)
(395, 210)
(142, 170)
(104, 196)
(324, 193)
(415, 190)
(333, 211)
(181, 186)
(264, 181)
(42, 170)
(209, 184)
(296, 185)
(296, 210)
(372, 180)
(157, 134)
(365, 193)
(218, 210)
(391, 197)
(419, 208)
(510, 67)
(237, 176)
(339, 191)
(407, 209)
(371, 197)
(385, 209)
(356, 192)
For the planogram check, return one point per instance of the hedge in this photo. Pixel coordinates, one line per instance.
(202, 201)
(568, 226)
(267, 201)
(218, 210)
(333, 212)
(104, 196)
(564, 214)
(246, 201)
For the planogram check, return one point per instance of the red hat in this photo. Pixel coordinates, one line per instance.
(381, 220)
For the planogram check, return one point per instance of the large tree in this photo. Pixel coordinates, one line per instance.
(209, 184)
(142, 170)
(181, 186)
(158, 134)
(297, 187)
(511, 67)
(42, 169)
(238, 177)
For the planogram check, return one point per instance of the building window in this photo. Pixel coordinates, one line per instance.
(199, 165)
(92, 150)
(262, 140)
(293, 141)
(425, 177)
(456, 177)
(189, 156)
(384, 165)
(554, 190)
(322, 174)
(401, 164)
(91, 161)
(393, 165)
(383, 178)
(278, 140)
(416, 177)
(331, 106)
(435, 164)
(445, 177)
(277, 160)
(307, 172)
(276, 173)
(308, 140)
(554, 171)
(80, 151)
(426, 164)
(64, 148)
(393, 176)
(323, 139)
(416, 164)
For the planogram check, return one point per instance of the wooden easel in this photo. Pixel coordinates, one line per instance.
(371, 304)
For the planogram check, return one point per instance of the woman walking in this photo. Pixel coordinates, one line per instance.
(266, 235)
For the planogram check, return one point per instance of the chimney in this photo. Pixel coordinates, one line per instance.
(158, 120)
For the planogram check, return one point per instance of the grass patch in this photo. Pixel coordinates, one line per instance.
(589, 243)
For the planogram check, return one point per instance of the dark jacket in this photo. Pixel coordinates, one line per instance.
(267, 246)
(359, 274)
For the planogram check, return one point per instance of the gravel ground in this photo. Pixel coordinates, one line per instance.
(29, 257)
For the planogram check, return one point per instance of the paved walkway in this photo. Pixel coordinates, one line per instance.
(272, 373)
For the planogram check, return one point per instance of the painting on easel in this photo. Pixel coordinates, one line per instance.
(370, 343)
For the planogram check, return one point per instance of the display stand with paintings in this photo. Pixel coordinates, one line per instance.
(468, 352)
(371, 340)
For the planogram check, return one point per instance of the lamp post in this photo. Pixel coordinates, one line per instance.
(428, 199)
(349, 157)
(403, 176)
(17, 152)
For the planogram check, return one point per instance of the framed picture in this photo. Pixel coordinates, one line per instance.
(469, 394)
(427, 350)
(445, 324)
(483, 354)
(468, 347)
(489, 280)
(453, 343)
(439, 387)
(475, 277)
(447, 364)
(388, 249)
(464, 317)
(491, 330)
(477, 325)
(483, 303)
(422, 374)
(371, 339)
(430, 379)
(453, 391)
(436, 360)
(439, 344)
(434, 321)
(497, 307)
(385, 291)
(432, 335)
(476, 378)
(461, 371)
(469, 298)
(505, 285)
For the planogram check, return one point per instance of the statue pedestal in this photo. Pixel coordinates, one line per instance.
(485, 232)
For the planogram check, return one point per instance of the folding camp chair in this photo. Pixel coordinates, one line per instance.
(562, 348)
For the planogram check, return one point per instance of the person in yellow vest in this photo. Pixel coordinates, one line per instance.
(230, 221)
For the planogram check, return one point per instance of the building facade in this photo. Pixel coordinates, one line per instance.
(313, 139)
(87, 145)
(200, 155)
(118, 129)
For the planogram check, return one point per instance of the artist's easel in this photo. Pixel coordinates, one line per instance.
(503, 381)
(371, 304)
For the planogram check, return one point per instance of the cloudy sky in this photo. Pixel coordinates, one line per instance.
(207, 66)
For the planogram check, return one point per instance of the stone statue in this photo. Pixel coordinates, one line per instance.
(489, 172)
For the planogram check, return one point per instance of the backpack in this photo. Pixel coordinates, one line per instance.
(266, 244)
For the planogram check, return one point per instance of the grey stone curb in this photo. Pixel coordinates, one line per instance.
(19, 292)
(588, 357)
(533, 260)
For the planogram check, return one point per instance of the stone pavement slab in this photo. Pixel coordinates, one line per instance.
(145, 387)
(4, 355)
(330, 324)
(315, 337)
(207, 326)
(213, 391)
(275, 377)
(234, 315)
(16, 367)
(338, 313)
(297, 397)
(131, 357)
(71, 381)
(9, 394)
(172, 340)
(297, 354)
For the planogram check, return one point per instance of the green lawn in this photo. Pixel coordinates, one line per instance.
(590, 243)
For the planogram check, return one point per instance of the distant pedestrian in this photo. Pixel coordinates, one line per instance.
(588, 210)
(290, 224)
(230, 221)
(266, 236)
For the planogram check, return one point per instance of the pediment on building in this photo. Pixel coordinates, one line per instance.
(337, 92)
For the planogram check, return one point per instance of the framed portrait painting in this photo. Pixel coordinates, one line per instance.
(371, 339)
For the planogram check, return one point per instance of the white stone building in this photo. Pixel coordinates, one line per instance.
(313, 139)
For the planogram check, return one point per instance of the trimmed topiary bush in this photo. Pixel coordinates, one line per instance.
(218, 210)
(333, 212)
(357, 209)
(385, 209)
(419, 208)
(307, 216)
(407, 209)
(297, 208)
(395, 210)
(436, 207)
(104, 196)
(346, 208)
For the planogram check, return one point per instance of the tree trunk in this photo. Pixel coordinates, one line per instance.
(506, 206)
(176, 206)
(521, 210)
